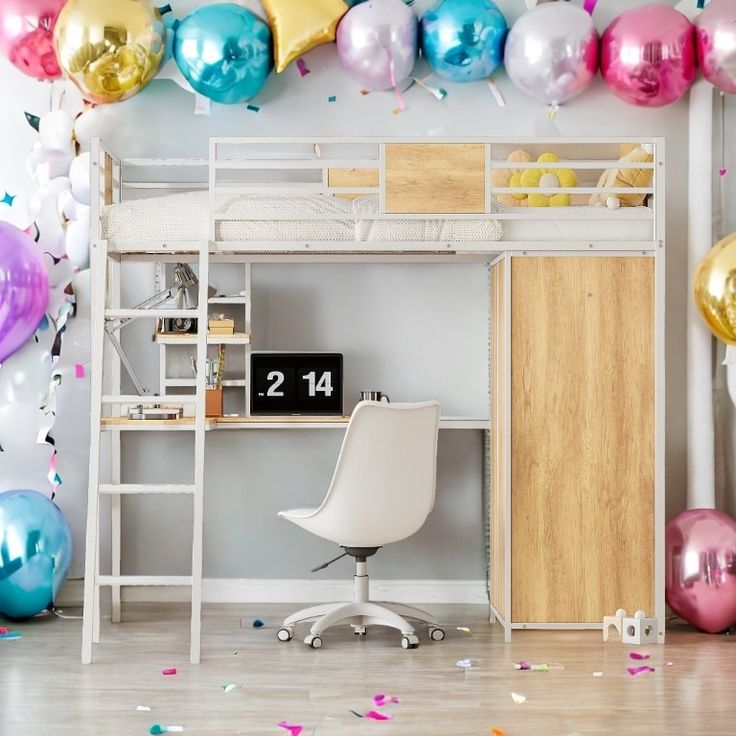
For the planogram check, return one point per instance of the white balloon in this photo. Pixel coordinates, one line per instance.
(90, 124)
(44, 209)
(45, 164)
(56, 129)
(77, 241)
(68, 206)
(79, 175)
(19, 427)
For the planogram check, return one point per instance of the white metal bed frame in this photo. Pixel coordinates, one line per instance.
(112, 179)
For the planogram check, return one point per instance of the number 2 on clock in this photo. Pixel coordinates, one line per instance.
(324, 385)
(278, 378)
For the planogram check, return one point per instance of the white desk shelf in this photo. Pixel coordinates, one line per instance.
(174, 338)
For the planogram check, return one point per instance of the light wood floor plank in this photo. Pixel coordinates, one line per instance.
(45, 689)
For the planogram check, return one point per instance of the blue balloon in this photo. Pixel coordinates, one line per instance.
(35, 553)
(463, 39)
(224, 51)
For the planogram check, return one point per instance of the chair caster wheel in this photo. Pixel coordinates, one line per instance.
(312, 640)
(436, 634)
(285, 633)
(410, 641)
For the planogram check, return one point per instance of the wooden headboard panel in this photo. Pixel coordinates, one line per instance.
(446, 178)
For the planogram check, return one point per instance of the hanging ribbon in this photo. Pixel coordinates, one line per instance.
(397, 92)
(496, 92)
(589, 6)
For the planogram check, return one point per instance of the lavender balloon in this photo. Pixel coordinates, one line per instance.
(377, 43)
(716, 36)
(700, 568)
(552, 52)
(24, 289)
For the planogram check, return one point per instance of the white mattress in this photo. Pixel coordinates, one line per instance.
(185, 216)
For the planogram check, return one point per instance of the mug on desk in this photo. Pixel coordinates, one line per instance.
(374, 396)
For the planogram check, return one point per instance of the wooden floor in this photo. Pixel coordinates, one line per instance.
(45, 690)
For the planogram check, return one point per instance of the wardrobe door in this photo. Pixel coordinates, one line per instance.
(582, 437)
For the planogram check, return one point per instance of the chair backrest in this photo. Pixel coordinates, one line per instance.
(384, 482)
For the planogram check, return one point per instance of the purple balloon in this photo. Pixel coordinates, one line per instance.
(24, 289)
(648, 55)
(377, 43)
(716, 33)
(700, 568)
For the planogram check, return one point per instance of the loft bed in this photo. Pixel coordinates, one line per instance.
(373, 196)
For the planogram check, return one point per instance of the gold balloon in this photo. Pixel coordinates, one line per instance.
(300, 25)
(715, 289)
(111, 49)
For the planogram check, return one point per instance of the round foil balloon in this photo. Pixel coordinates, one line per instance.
(24, 289)
(700, 568)
(36, 547)
(714, 286)
(463, 39)
(648, 55)
(552, 52)
(111, 49)
(716, 37)
(377, 43)
(224, 51)
(26, 35)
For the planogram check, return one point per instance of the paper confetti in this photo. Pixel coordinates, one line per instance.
(294, 730)
(597, 674)
(332, 98)
(589, 6)
(633, 671)
(382, 700)
(253, 108)
(143, 708)
(378, 716)
(169, 671)
(722, 172)
(157, 729)
(466, 630)
(302, 67)
(518, 698)
(229, 687)
(439, 92)
(4, 630)
(497, 732)
(466, 664)
(524, 665)
(668, 664)
(701, 4)
(552, 112)
(396, 111)
(365, 92)
(257, 623)
(11, 635)
(79, 371)
(638, 655)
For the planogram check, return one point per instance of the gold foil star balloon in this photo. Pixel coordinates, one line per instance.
(111, 49)
(715, 289)
(300, 25)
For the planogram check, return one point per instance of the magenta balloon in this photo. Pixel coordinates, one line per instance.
(700, 568)
(716, 34)
(24, 289)
(648, 55)
(26, 35)
(377, 43)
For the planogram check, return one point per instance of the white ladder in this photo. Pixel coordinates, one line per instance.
(105, 305)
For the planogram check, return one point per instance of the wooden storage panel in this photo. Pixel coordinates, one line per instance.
(582, 437)
(436, 178)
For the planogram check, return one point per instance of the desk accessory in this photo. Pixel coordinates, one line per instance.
(374, 396)
(296, 383)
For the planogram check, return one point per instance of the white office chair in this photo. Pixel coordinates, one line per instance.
(381, 492)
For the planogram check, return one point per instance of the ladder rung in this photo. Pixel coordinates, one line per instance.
(151, 313)
(132, 580)
(124, 489)
(149, 400)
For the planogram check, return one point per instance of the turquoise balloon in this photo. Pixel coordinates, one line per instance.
(35, 553)
(225, 52)
(462, 40)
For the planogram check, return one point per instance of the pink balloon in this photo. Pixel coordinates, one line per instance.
(648, 55)
(24, 289)
(26, 35)
(700, 568)
(716, 34)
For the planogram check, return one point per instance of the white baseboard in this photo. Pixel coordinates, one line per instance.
(254, 590)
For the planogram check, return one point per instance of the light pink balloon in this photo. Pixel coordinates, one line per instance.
(26, 35)
(700, 568)
(648, 55)
(716, 34)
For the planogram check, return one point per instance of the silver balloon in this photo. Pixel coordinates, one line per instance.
(377, 43)
(552, 52)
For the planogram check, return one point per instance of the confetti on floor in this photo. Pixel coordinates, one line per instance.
(597, 674)
(229, 687)
(168, 671)
(332, 98)
(518, 698)
(722, 172)
(143, 708)
(633, 671)
(497, 732)
(257, 623)
(382, 700)
(293, 729)
(253, 108)
(465, 630)
(157, 729)
(466, 664)
(79, 371)
(668, 664)
(638, 655)
(302, 67)
(365, 92)
(11, 635)
(376, 715)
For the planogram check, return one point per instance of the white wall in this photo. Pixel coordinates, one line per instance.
(159, 121)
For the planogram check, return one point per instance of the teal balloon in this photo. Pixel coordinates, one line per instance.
(224, 51)
(462, 40)
(35, 553)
